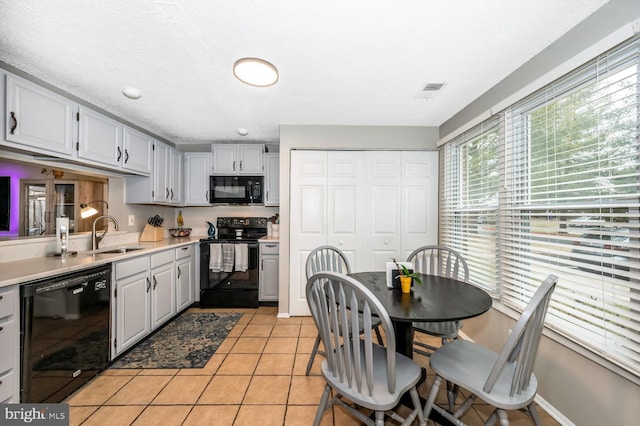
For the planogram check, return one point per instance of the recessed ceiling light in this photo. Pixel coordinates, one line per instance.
(242, 131)
(132, 92)
(255, 72)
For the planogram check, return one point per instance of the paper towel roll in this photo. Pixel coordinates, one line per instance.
(62, 234)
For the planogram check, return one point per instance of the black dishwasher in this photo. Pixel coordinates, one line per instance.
(64, 331)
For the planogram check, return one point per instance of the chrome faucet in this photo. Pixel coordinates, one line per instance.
(95, 239)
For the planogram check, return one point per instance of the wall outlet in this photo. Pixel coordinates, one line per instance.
(132, 220)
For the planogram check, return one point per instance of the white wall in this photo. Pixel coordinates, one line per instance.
(335, 137)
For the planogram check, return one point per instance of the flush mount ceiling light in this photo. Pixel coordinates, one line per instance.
(132, 92)
(255, 72)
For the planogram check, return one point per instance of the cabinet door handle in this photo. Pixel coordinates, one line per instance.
(148, 285)
(167, 193)
(155, 282)
(206, 195)
(126, 156)
(172, 193)
(234, 165)
(15, 122)
(240, 165)
(262, 264)
(179, 272)
(119, 154)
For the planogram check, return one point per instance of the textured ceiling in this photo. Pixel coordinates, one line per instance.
(354, 62)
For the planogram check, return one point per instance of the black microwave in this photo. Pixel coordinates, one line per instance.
(235, 189)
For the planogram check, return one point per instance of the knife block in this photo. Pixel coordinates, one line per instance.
(152, 233)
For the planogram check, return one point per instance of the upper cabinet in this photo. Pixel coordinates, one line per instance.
(197, 168)
(164, 185)
(272, 179)
(99, 138)
(38, 119)
(137, 151)
(108, 142)
(243, 159)
(41, 121)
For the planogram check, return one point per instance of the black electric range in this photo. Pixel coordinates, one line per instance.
(229, 275)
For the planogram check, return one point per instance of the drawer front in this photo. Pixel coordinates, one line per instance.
(184, 251)
(6, 386)
(8, 344)
(8, 302)
(162, 258)
(131, 267)
(269, 248)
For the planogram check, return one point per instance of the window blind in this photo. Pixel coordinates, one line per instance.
(469, 200)
(571, 204)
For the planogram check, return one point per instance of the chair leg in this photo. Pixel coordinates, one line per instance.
(379, 336)
(415, 398)
(379, 418)
(504, 420)
(437, 381)
(322, 405)
(534, 414)
(452, 394)
(313, 354)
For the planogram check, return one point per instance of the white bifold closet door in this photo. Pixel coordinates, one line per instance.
(372, 205)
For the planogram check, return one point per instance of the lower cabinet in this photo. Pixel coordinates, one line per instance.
(185, 276)
(269, 274)
(144, 297)
(9, 342)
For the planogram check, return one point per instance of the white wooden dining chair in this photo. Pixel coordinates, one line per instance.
(355, 368)
(329, 258)
(505, 380)
(444, 262)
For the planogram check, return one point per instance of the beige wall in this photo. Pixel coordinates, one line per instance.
(335, 137)
(584, 392)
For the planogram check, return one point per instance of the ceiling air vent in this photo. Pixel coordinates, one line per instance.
(432, 87)
(429, 91)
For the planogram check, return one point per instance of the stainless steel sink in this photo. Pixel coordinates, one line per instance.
(118, 250)
(121, 250)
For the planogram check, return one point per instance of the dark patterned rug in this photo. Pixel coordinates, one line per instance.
(188, 341)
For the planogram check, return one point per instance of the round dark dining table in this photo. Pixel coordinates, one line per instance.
(437, 299)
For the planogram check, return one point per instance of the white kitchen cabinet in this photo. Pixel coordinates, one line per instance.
(132, 301)
(144, 297)
(241, 159)
(167, 170)
(372, 205)
(37, 119)
(197, 169)
(269, 272)
(137, 151)
(175, 178)
(272, 179)
(164, 185)
(185, 277)
(163, 287)
(99, 138)
(10, 344)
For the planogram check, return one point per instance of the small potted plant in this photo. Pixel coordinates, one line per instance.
(406, 276)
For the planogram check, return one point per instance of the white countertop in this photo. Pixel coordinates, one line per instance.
(269, 239)
(21, 271)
